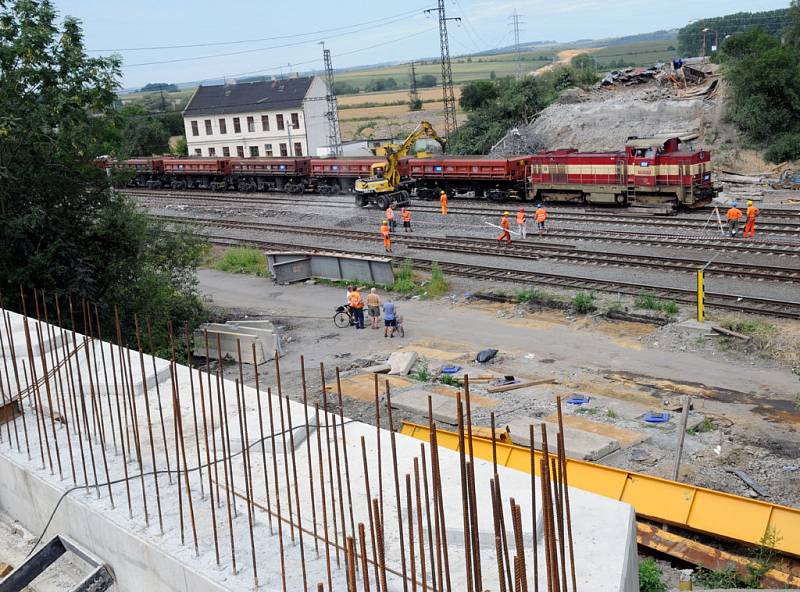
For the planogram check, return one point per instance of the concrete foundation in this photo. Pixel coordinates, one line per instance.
(578, 444)
(145, 556)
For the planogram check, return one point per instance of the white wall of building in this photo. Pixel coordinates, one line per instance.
(315, 107)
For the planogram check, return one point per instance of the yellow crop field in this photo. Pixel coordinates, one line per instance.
(394, 96)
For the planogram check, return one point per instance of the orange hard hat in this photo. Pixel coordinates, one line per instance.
(385, 222)
(505, 213)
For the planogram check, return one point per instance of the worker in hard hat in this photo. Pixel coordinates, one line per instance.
(733, 216)
(750, 224)
(390, 218)
(406, 214)
(505, 225)
(443, 202)
(541, 217)
(387, 241)
(522, 223)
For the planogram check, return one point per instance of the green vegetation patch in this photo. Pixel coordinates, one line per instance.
(583, 302)
(649, 301)
(650, 577)
(243, 260)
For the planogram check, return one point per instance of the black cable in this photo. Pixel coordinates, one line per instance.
(166, 471)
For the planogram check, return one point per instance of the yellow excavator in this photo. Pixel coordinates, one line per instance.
(386, 185)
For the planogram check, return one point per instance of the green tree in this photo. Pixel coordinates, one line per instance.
(690, 37)
(159, 86)
(61, 228)
(475, 95)
(426, 81)
(582, 61)
(180, 148)
(142, 133)
(792, 33)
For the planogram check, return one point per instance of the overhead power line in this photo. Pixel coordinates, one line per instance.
(245, 41)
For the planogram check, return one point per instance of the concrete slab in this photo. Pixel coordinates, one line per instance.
(377, 369)
(402, 362)
(475, 400)
(362, 386)
(416, 401)
(579, 444)
(625, 437)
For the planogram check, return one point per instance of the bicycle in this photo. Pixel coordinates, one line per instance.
(343, 317)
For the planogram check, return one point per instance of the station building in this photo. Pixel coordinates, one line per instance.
(280, 117)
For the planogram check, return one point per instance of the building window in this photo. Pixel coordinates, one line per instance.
(265, 123)
(226, 151)
(237, 126)
(195, 131)
(298, 149)
(284, 152)
(251, 124)
(240, 151)
(254, 151)
(279, 119)
(223, 126)
(198, 152)
(295, 121)
(209, 131)
(212, 151)
(267, 149)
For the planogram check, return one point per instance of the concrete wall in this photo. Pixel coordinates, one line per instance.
(315, 108)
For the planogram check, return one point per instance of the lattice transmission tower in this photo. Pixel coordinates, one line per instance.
(515, 23)
(332, 114)
(448, 96)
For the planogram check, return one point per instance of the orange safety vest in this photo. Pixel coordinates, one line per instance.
(504, 223)
(389, 213)
(541, 215)
(355, 299)
(443, 199)
(406, 216)
(734, 214)
(520, 218)
(385, 230)
(752, 212)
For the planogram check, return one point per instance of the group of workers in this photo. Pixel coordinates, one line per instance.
(374, 304)
(539, 216)
(734, 215)
(390, 224)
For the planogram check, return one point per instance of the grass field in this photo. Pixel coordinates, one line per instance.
(640, 54)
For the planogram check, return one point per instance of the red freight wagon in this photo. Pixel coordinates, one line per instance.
(494, 178)
(650, 172)
(198, 173)
(270, 174)
(144, 172)
(330, 175)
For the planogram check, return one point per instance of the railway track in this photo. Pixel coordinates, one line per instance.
(733, 302)
(788, 226)
(527, 250)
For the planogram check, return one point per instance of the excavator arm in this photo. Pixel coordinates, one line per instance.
(392, 172)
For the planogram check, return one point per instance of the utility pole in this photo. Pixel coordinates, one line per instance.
(414, 103)
(448, 98)
(515, 24)
(332, 114)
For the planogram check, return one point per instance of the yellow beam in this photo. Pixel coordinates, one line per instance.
(688, 506)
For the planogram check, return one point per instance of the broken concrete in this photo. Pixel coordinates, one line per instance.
(377, 369)
(416, 401)
(239, 336)
(402, 362)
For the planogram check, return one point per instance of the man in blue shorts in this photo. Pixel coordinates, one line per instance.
(389, 318)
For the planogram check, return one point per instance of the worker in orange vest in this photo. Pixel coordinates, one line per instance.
(387, 242)
(734, 215)
(750, 225)
(390, 218)
(406, 220)
(443, 202)
(521, 223)
(505, 225)
(357, 306)
(540, 217)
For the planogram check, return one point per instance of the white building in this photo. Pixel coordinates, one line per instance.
(252, 119)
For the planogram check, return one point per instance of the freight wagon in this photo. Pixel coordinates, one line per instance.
(651, 172)
(289, 174)
(332, 175)
(496, 179)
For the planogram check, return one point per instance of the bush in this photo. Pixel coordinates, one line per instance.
(437, 285)
(785, 147)
(450, 380)
(423, 373)
(404, 278)
(583, 302)
(650, 577)
(243, 260)
(649, 301)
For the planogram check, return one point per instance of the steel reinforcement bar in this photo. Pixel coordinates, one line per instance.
(696, 508)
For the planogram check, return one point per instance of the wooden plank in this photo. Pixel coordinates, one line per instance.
(730, 333)
(705, 556)
(518, 385)
(5, 569)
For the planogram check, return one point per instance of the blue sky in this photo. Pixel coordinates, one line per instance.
(357, 32)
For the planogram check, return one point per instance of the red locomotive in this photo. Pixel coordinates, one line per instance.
(649, 172)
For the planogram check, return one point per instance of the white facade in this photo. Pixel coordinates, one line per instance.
(285, 131)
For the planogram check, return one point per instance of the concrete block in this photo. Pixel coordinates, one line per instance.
(262, 334)
(402, 362)
(377, 369)
(416, 401)
(578, 443)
